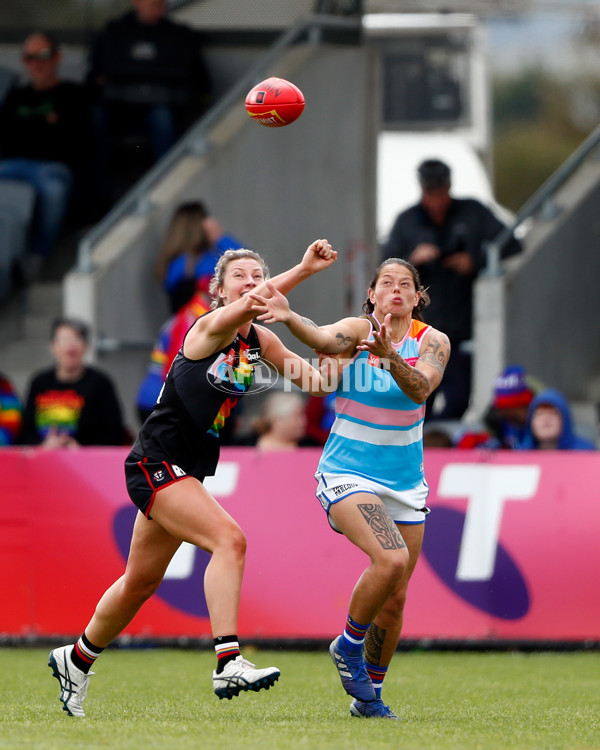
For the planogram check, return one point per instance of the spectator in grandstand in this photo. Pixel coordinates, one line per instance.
(444, 238)
(71, 403)
(45, 138)
(177, 447)
(435, 436)
(194, 243)
(550, 425)
(11, 413)
(370, 476)
(320, 416)
(148, 74)
(506, 417)
(280, 425)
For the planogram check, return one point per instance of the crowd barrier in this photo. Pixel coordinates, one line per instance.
(511, 548)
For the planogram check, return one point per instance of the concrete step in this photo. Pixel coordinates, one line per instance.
(21, 359)
(45, 297)
(25, 322)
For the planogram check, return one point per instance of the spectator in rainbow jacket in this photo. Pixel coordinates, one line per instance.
(550, 425)
(370, 476)
(11, 413)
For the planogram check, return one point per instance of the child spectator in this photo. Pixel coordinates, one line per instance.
(550, 425)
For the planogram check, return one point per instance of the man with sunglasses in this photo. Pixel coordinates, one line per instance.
(44, 138)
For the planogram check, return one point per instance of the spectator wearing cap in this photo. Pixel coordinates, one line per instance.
(549, 425)
(506, 418)
(444, 238)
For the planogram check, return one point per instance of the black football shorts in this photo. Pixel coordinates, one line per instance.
(144, 477)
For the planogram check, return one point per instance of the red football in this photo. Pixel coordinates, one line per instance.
(275, 102)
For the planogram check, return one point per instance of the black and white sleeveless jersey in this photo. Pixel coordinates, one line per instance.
(196, 399)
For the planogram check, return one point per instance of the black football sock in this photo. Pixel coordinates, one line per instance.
(227, 649)
(84, 654)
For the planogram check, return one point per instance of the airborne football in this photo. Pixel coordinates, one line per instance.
(275, 102)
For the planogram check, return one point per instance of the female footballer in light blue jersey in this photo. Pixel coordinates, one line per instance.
(370, 476)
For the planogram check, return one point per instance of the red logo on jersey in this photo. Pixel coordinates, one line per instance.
(373, 360)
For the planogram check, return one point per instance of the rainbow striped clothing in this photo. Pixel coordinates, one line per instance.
(378, 429)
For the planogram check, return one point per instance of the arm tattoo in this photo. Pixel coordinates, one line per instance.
(374, 644)
(413, 382)
(309, 322)
(342, 341)
(434, 354)
(382, 526)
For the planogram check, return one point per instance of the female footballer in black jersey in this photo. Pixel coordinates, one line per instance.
(177, 447)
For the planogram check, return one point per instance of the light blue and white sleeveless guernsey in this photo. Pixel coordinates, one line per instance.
(378, 429)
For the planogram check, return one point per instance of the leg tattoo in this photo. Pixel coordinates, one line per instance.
(382, 526)
(374, 644)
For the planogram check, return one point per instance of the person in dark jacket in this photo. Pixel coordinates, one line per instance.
(148, 73)
(550, 425)
(444, 238)
(45, 135)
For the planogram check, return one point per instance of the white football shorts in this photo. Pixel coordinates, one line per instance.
(407, 506)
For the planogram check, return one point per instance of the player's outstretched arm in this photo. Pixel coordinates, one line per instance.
(338, 338)
(213, 331)
(317, 382)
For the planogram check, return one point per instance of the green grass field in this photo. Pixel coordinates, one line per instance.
(163, 699)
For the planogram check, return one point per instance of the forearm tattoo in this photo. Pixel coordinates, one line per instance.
(374, 644)
(413, 382)
(308, 322)
(382, 526)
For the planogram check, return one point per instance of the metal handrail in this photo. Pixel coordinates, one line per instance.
(136, 200)
(539, 199)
